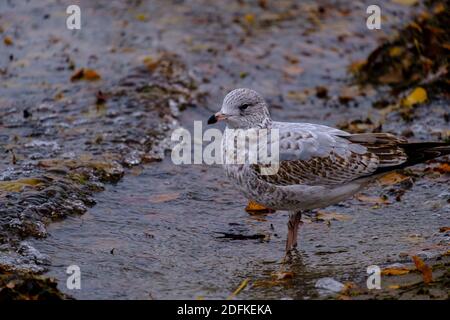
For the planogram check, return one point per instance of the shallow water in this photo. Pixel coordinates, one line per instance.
(157, 235)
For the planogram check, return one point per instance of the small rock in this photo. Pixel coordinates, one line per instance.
(27, 250)
(329, 285)
(133, 158)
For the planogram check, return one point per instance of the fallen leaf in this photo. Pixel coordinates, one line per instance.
(142, 17)
(392, 178)
(418, 95)
(256, 208)
(91, 75)
(395, 51)
(328, 216)
(164, 197)
(442, 168)
(85, 74)
(422, 267)
(241, 287)
(8, 41)
(394, 286)
(374, 200)
(394, 271)
(444, 229)
(249, 18)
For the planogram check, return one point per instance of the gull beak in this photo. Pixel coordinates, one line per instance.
(217, 117)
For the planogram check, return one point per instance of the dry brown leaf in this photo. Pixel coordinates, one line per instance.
(164, 197)
(392, 178)
(91, 75)
(444, 229)
(8, 41)
(85, 74)
(443, 168)
(422, 267)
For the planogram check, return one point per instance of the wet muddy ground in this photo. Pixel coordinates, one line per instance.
(81, 109)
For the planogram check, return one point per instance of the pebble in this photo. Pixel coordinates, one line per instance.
(329, 285)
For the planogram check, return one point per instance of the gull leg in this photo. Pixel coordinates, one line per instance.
(293, 225)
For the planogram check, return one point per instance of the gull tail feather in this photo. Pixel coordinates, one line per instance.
(418, 152)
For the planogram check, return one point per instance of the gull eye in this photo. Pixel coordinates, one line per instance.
(244, 106)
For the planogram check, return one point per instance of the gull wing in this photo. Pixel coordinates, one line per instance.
(320, 155)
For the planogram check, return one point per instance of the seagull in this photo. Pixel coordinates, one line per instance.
(318, 166)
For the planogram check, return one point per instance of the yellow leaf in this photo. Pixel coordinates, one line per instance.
(392, 178)
(418, 95)
(256, 208)
(239, 289)
(394, 286)
(164, 197)
(394, 271)
(142, 17)
(249, 18)
(395, 51)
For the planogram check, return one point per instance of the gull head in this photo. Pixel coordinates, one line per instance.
(243, 109)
